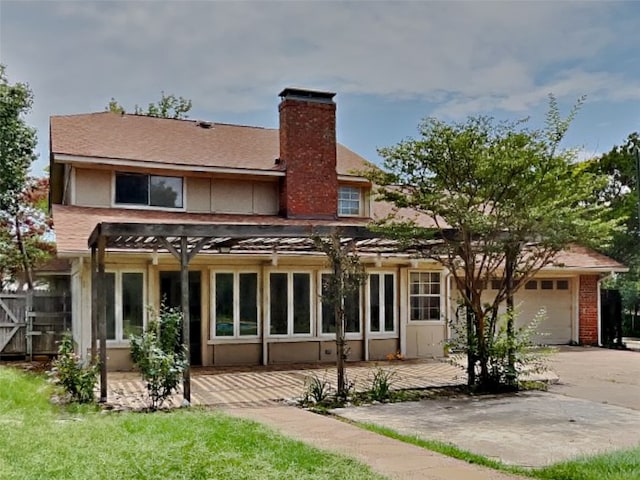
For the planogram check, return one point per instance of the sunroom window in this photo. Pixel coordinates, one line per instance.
(235, 308)
(289, 303)
(382, 302)
(351, 311)
(149, 190)
(125, 304)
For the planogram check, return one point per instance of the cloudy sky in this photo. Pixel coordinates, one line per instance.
(392, 63)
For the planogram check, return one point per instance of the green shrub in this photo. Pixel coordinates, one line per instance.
(316, 390)
(159, 355)
(72, 373)
(381, 382)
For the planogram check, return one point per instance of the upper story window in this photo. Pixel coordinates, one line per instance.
(150, 190)
(349, 201)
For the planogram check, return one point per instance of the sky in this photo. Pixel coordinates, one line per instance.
(391, 63)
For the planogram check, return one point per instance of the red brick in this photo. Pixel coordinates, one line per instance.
(588, 314)
(308, 155)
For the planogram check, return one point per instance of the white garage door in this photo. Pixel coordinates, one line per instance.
(554, 295)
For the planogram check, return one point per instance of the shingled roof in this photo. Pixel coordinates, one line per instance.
(188, 143)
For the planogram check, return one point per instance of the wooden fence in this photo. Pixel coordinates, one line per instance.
(32, 323)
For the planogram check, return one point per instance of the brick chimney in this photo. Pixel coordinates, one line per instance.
(308, 154)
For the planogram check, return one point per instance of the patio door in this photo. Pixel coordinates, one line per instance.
(170, 293)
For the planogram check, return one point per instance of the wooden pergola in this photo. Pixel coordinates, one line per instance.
(185, 241)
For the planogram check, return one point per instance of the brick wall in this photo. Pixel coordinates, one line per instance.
(588, 310)
(308, 155)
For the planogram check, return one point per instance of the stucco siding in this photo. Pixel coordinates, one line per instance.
(92, 188)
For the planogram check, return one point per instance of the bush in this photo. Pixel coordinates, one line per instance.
(74, 375)
(529, 357)
(159, 355)
(381, 382)
(316, 390)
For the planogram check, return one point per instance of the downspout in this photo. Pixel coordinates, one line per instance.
(447, 306)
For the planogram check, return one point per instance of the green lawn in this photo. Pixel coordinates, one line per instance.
(619, 465)
(40, 441)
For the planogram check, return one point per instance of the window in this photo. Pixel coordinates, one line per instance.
(125, 304)
(349, 201)
(351, 310)
(235, 304)
(546, 284)
(382, 311)
(495, 284)
(531, 285)
(289, 303)
(151, 190)
(562, 285)
(424, 296)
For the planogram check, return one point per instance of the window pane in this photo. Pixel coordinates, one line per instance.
(562, 285)
(132, 304)
(132, 188)
(301, 303)
(328, 317)
(248, 304)
(352, 312)
(110, 296)
(546, 284)
(224, 305)
(389, 303)
(166, 191)
(531, 285)
(374, 303)
(278, 307)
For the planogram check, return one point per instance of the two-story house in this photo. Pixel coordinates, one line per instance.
(258, 300)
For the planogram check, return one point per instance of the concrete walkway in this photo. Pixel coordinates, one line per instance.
(392, 458)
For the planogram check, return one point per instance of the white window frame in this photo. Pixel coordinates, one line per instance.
(236, 304)
(382, 332)
(352, 189)
(348, 335)
(140, 206)
(117, 307)
(290, 310)
(441, 320)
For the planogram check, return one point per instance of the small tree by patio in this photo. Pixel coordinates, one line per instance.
(346, 277)
(159, 354)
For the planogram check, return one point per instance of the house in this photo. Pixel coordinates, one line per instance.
(237, 205)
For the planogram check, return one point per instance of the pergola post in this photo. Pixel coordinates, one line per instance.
(184, 284)
(94, 305)
(102, 317)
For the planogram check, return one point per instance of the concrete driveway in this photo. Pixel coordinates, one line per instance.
(599, 375)
(593, 408)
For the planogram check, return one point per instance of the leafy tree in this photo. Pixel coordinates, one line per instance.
(621, 193)
(502, 201)
(26, 237)
(17, 140)
(169, 106)
(346, 277)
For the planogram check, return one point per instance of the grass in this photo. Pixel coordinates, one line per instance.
(42, 441)
(619, 465)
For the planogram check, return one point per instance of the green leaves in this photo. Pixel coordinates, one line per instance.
(17, 140)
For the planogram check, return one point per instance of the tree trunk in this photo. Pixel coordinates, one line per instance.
(23, 254)
(511, 377)
(471, 344)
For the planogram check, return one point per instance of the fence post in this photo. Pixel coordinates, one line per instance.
(29, 322)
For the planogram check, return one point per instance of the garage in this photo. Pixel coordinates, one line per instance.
(555, 296)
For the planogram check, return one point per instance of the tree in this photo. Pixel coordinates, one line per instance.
(26, 237)
(620, 167)
(346, 277)
(503, 201)
(169, 106)
(17, 140)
